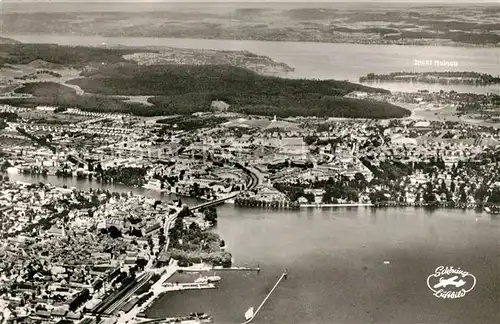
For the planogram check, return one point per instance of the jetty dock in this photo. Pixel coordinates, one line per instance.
(284, 275)
(220, 268)
(167, 320)
(237, 268)
(188, 286)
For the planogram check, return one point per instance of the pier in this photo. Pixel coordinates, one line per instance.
(237, 268)
(220, 268)
(284, 275)
(189, 286)
(189, 319)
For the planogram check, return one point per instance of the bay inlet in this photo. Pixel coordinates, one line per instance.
(337, 257)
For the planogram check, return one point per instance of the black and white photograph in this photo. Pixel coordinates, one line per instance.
(249, 161)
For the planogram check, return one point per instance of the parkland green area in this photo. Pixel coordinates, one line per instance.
(106, 79)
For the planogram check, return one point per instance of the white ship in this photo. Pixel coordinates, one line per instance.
(201, 280)
(249, 313)
(208, 279)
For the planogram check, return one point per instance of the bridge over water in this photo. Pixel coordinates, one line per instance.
(214, 202)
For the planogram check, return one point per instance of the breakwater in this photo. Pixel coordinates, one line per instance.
(219, 268)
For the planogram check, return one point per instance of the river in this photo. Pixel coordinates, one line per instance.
(335, 258)
(325, 60)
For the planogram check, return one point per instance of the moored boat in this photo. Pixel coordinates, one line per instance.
(209, 279)
(249, 313)
(214, 279)
(201, 280)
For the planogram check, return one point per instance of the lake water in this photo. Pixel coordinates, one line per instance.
(335, 258)
(337, 275)
(325, 60)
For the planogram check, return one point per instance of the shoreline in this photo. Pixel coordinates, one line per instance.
(377, 205)
(336, 205)
(383, 205)
(449, 43)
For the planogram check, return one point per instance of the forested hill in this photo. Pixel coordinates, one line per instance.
(174, 79)
(69, 56)
(5, 40)
(190, 88)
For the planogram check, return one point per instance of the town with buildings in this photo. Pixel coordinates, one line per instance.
(176, 162)
(97, 256)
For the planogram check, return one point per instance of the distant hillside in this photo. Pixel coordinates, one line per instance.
(355, 22)
(5, 40)
(41, 64)
(70, 56)
(46, 89)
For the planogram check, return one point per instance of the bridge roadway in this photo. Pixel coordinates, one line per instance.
(214, 202)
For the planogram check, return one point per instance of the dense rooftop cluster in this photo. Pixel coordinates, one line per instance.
(97, 252)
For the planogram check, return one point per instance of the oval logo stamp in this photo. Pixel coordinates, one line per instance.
(450, 283)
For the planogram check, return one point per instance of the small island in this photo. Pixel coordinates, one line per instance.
(467, 78)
